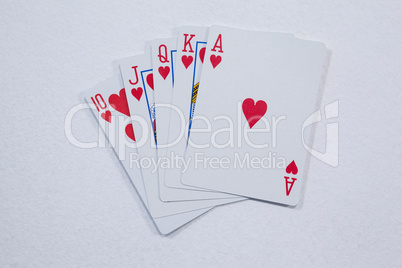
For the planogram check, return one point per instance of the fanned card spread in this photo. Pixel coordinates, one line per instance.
(212, 116)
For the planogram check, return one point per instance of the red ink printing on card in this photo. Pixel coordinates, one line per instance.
(187, 60)
(164, 71)
(137, 93)
(253, 112)
(215, 60)
(202, 54)
(292, 168)
(107, 116)
(119, 102)
(130, 131)
(150, 81)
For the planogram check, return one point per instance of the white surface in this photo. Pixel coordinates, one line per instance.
(62, 206)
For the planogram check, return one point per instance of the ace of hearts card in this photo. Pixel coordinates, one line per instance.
(256, 90)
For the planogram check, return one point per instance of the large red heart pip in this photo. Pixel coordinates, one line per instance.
(292, 168)
(150, 81)
(164, 71)
(130, 131)
(187, 60)
(119, 102)
(253, 112)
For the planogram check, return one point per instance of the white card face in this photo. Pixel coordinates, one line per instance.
(200, 49)
(163, 57)
(163, 51)
(189, 42)
(138, 81)
(103, 99)
(174, 176)
(256, 91)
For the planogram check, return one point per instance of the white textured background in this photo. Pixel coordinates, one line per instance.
(61, 206)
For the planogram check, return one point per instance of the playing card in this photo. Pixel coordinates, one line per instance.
(255, 93)
(163, 51)
(138, 81)
(189, 43)
(113, 117)
(200, 48)
(172, 176)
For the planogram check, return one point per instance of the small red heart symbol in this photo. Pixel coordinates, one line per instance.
(119, 102)
(187, 60)
(292, 168)
(253, 112)
(150, 81)
(107, 116)
(130, 131)
(215, 60)
(137, 93)
(202, 54)
(164, 71)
